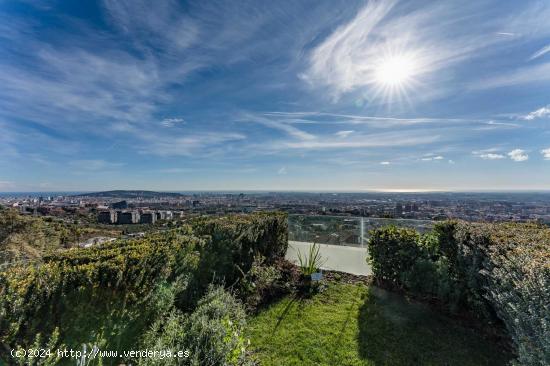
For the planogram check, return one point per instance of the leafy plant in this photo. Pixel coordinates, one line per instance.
(211, 335)
(312, 261)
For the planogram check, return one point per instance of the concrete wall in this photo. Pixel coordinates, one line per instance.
(337, 257)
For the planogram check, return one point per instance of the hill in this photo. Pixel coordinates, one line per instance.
(129, 194)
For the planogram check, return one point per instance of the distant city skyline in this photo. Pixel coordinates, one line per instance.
(339, 96)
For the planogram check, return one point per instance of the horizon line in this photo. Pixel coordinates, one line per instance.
(299, 191)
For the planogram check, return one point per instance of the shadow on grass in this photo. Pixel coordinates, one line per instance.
(351, 313)
(396, 331)
(285, 312)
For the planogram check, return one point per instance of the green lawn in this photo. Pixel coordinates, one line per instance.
(356, 325)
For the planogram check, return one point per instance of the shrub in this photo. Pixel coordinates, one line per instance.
(393, 251)
(166, 334)
(232, 243)
(44, 351)
(86, 283)
(110, 293)
(512, 263)
(499, 272)
(212, 334)
(262, 283)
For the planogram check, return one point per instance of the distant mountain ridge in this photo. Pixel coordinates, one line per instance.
(129, 194)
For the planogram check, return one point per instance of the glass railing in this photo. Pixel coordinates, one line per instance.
(344, 230)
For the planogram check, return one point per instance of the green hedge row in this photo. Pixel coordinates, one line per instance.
(496, 271)
(111, 287)
(232, 243)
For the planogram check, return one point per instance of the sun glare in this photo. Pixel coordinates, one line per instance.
(395, 71)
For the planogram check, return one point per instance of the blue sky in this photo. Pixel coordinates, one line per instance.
(280, 95)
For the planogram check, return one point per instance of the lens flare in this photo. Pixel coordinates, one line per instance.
(395, 71)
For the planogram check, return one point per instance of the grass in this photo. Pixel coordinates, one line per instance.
(356, 325)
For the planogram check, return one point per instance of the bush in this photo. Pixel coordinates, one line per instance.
(232, 243)
(511, 263)
(499, 272)
(109, 294)
(86, 283)
(393, 251)
(211, 335)
(260, 283)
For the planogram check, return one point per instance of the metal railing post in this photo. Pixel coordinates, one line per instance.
(362, 228)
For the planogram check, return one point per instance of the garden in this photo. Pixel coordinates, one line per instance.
(220, 290)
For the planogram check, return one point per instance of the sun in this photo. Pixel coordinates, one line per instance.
(395, 70)
(395, 75)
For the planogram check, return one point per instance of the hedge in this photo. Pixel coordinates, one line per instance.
(110, 287)
(499, 272)
(232, 242)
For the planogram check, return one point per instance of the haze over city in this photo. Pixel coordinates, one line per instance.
(320, 95)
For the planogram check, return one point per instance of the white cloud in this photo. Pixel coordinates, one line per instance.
(451, 161)
(171, 122)
(524, 75)
(546, 153)
(159, 22)
(342, 60)
(518, 155)
(282, 171)
(208, 143)
(385, 163)
(430, 158)
(281, 125)
(344, 134)
(544, 50)
(539, 113)
(309, 117)
(394, 139)
(491, 156)
(349, 58)
(504, 124)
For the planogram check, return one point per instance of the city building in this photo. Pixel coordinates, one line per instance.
(121, 205)
(148, 218)
(128, 217)
(107, 217)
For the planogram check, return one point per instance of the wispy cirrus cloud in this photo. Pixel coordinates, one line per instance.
(171, 122)
(278, 124)
(396, 139)
(543, 51)
(349, 58)
(325, 118)
(523, 75)
(344, 134)
(542, 112)
(282, 171)
(95, 164)
(432, 158)
(206, 144)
